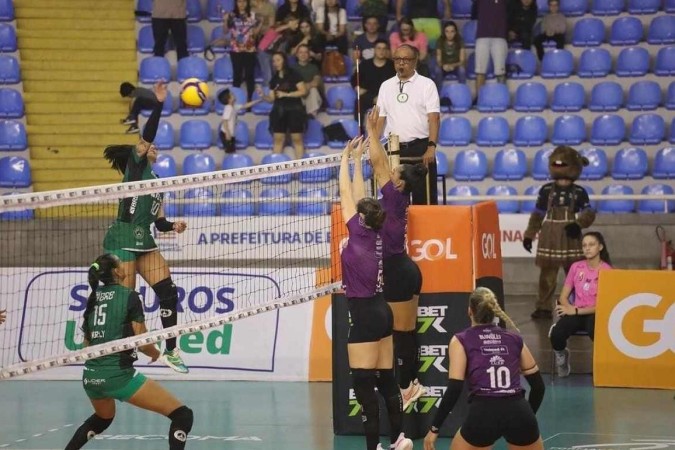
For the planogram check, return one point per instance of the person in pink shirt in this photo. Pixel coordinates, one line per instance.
(576, 306)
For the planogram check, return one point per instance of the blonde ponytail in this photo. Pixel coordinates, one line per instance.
(485, 307)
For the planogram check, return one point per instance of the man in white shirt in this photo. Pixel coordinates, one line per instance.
(409, 102)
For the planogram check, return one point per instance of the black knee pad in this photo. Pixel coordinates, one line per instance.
(167, 293)
(386, 383)
(181, 423)
(97, 425)
(364, 381)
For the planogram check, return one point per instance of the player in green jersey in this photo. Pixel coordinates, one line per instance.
(130, 238)
(114, 312)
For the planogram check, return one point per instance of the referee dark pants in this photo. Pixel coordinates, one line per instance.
(415, 149)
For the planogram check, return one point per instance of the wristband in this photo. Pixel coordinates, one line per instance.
(432, 144)
(163, 225)
(433, 429)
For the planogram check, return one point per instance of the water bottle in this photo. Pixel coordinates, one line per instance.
(669, 263)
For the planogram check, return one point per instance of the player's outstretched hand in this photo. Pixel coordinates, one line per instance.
(430, 441)
(371, 119)
(3, 316)
(357, 151)
(161, 91)
(179, 226)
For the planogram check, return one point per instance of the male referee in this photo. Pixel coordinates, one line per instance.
(409, 102)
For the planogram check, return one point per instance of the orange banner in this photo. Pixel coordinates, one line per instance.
(635, 329)
(338, 239)
(486, 241)
(320, 353)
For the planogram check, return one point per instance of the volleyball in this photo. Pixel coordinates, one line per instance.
(194, 92)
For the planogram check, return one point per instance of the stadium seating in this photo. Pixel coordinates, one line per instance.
(493, 131)
(455, 131)
(617, 206)
(540, 165)
(665, 62)
(195, 134)
(192, 67)
(263, 138)
(10, 73)
(588, 32)
(644, 96)
(442, 168)
(313, 137)
(595, 63)
(470, 165)
(647, 129)
(643, 6)
(471, 68)
(153, 69)
(469, 33)
(662, 30)
(463, 190)
(146, 40)
(263, 108)
(222, 70)
(459, 95)
(216, 8)
(315, 175)
(314, 202)
(241, 137)
(607, 7)
(670, 96)
(165, 166)
(344, 94)
(569, 130)
(597, 164)
(274, 207)
(11, 104)
(505, 206)
(657, 206)
(276, 158)
(608, 129)
(669, 6)
(22, 214)
(632, 62)
(509, 164)
(574, 8)
(6, 10)
(144, 6)
(351, 127)
(671, 139)
(557, 63)
(237, 161)
(526, 62)
(626, 31)
(349, 66)
(530, 97)
(219, 47)
(204, 208)
(194, 11)
(568, 97)
(606, 96)
(7, 38)
(198, 163)
(530, 131)
(12, 135)
(14, 172)
(243, 208)
(203, 110)
(165, 136)
(527, 206)
(167, 107)
(196, 40)
(664, 163)
(461, 9)
(630, 164)
(493, 97)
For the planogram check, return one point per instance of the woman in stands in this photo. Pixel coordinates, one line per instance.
(115, 312)
(370, 344)
(244, 27)
(576, 305)
(493, 359)
(402, 277)
(130, 238)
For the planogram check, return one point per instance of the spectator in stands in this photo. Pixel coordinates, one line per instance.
(365, 42)
(141, 98)
(228, 124)
(311, 38)
(407, 34)
(378, 9)
(264, 12)
(553, 27)
(243, 28)
(372, 73)
(290, 34)
(169, 15)
(522, 17)
(292, 7)
(3, 316)
(311, 76)
(288, 113)
(576, 306)
(424, 14)
(450, 54)
(491, 33)
(331, 21)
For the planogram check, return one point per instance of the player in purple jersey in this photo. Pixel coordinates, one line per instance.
(370, 344)
(493, 359)
(402, 277)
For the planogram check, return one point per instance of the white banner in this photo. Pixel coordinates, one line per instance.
(45, 309)
(512, 227)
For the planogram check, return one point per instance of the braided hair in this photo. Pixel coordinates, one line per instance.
(485, 307)
(101, 271)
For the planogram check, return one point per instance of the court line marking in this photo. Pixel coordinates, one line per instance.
(51, 430)
(610, 434)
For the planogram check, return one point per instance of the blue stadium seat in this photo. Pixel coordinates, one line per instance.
(442, 164)
(644, 96)
(146, 40)
(206, 207)
(242, 208)
(626, 31)
(366, 169)
(22, 214)
(7, 38)
(647, 129)
(262, 138)
(198, 163)
(630, 164)
(530, 131)
(171, 207)
(353, 8)
(608, 129)
(315, 175)
(6, 10)
(146, 7)
(665, 62)
(237, 161)
(509, 164)
(12, 135)
(349, 66)
(241, 137)
(568, 96)
(165, 136)
(574, 8)
(662, 30)
(276, 158)
(263, 108)
(165, 166)
(194, 11)
(588, 32)
(617, 206)
(492, 131)
(525, 60)
(657, 206)
(196, 40)
(569, 130)
(153, 69)
(459, 95)
(192, 67)
(643, 6)
(595, 63)
(664, 164)
(11, 104)
(463, 190)
(313, 137)
(346, 95)
(455, 131)
(14, 172)
(527, 206)
(351, 127)
(314, 202)
(557, 63)
(469, 33)
(274, 207)
(470, 165)
(493, 97)
(10, 73)
(530, 97)
(218, 34)
(505, 206)
(222, 70)
(167, 107)
(461, 9)
(669, 6)
(632, 62)
(606, 96)
(671, 139)
(471, 68)
(195, 134)
(203, 110)
(215, 9)
(540, 165)
(608, 7)
(670, 96)
(597, 164)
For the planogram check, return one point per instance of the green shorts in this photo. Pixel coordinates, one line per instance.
(128, 241)
(120, 384)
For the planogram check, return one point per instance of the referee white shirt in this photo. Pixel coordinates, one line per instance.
(406, 105)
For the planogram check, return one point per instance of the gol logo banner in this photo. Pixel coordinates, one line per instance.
(635, 329)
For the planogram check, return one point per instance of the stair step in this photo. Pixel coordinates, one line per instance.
(71, 86)
(31, 12)
(100, 176)
(67, 128)
(53, 43)
(81, 140)
(83, 5)
(74, 119)
(77, 75)
(66, 152)
(74, 211)
(93, 56)
(72, 97)
(119, 36)
(76, 24)
(119, 109)
(69, 163)
(78, 65)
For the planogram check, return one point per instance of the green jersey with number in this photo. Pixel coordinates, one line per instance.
(142, 209)
(116, 307)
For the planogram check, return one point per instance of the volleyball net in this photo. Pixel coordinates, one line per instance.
(254, 240)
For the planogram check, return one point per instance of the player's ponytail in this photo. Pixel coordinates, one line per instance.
(413, 175)
(100, 271)
(117, 156)
(373, 214)
(485, 307)
(604, 253)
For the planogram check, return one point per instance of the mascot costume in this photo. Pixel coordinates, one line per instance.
(562, 210)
